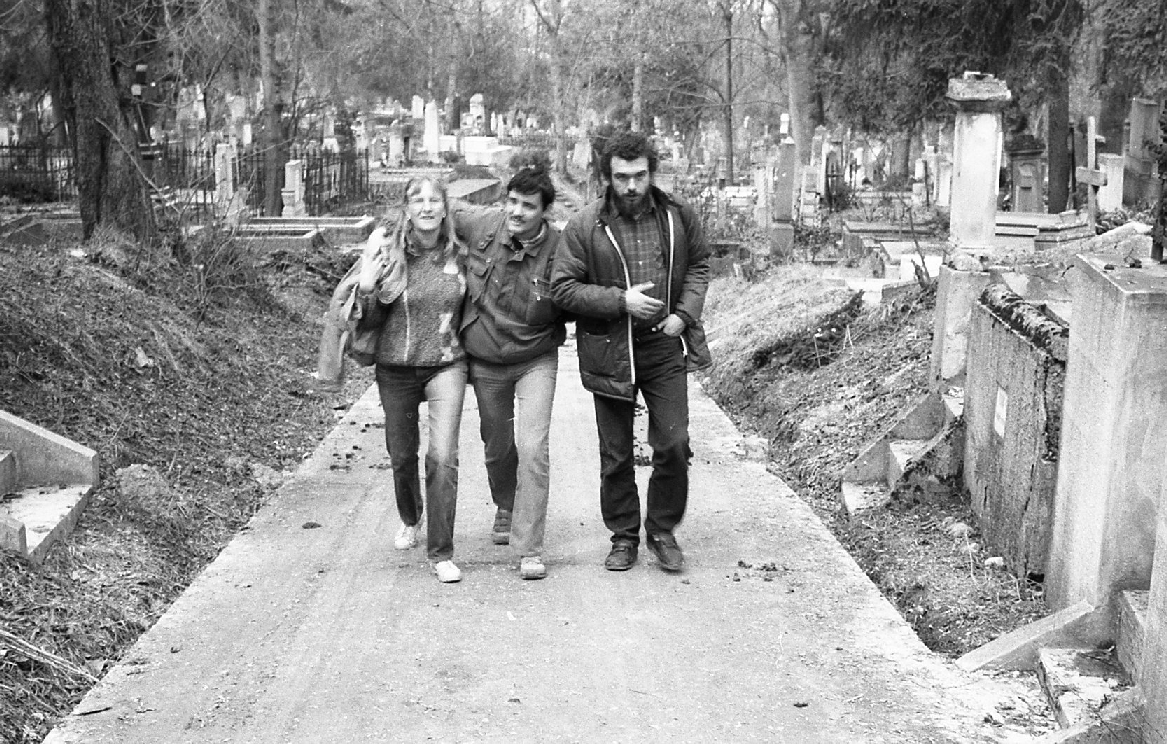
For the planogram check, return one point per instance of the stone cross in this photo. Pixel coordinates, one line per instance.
(1090, 174)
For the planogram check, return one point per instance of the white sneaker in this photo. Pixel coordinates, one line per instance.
(406, 537)
(447, 572)
(531, 567)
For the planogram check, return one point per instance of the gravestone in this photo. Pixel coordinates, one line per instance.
(1140, 183)
(1027, 173)
(477, 112)
(976, 158)
(920, 183)
(226, 157)
(431, 135)
(819, 148)
(293, 191)
(1110, 194)
(417, 110)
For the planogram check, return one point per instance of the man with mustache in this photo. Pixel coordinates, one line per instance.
(633, 270)
(511, 331)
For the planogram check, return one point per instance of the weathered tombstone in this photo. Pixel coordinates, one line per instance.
(763, 177)
(1140, 183)
(5, 136)
(818, 154)
(293, 191)
(920, 183)
(477, 112)
(976, 163)
(430, 137)
(1026, 173)
(225, 160)
(1110, 193)
(417, 110)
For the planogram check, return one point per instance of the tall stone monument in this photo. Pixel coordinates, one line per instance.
(431, 136)
(976, 164)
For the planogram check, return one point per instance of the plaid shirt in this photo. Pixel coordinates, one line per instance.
(640, 239)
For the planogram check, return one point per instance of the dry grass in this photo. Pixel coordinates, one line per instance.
(820, 380)
(126, 357)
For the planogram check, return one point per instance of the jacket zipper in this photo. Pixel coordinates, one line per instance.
(669, 287)
(627, 284)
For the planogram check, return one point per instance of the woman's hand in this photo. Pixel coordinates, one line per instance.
(372, 260)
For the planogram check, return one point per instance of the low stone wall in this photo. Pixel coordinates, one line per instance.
(1013, 405)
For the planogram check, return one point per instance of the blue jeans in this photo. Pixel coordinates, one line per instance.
(402, 390)
(516, 441)
(662, 382)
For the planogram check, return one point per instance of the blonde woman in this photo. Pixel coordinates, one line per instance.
(419, 358)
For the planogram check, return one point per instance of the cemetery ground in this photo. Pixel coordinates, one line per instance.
(204, 375)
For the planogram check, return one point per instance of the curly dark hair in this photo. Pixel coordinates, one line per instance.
(628, 146)
(533, 180)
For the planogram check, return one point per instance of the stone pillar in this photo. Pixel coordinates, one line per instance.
(432, 133)
(1110, 463)
(417, 108)
(1110, 195)
(976, 160)
(956, 293)
(293, 191)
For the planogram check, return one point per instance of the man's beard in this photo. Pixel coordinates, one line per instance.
(631, 206)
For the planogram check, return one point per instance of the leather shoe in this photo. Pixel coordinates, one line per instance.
(622, 557)
(668, 553)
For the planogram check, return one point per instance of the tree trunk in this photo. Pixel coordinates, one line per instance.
(900, 162)
(799, 83)
(1057, 148)
(274, 153)
(727, 111)
(452, 119)
(638, 94)
(112, 190)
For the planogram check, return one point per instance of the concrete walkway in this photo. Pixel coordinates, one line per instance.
(309, 627)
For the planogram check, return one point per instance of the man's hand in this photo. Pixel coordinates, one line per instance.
(671, 326)
(640, 305)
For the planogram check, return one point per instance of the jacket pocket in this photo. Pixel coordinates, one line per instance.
(477, 275)
(541, 309)
(596, 354)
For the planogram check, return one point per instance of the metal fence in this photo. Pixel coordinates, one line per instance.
(332, 180)
(533, 141)
(185, 178)
(37, 173)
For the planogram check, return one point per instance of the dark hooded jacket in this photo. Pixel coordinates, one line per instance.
(590, 277)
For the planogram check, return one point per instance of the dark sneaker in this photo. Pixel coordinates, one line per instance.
(622, 557)
(501, 532)
(668, 553)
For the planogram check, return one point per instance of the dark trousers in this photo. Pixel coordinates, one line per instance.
(662, 383)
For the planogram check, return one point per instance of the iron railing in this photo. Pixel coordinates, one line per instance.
(37, 173)
(185, 178)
